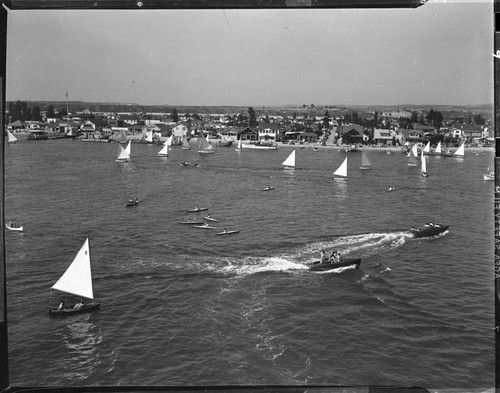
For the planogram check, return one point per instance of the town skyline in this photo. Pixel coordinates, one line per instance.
(437, 54)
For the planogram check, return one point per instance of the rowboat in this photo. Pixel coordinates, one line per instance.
(12, 227)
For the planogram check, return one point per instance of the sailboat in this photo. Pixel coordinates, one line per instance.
(123, 156)
(164, 151)
(460, 151)
(149, 137)
(239, 145)
(185, 143)
(168, 142)
(75, 283)
(438, 150)
(289, 163)
(10, 137)
(341, 172)
(412, 156)
(205, 147)
(427, 148)
(128, 148)
(365, 162)
(423, 169)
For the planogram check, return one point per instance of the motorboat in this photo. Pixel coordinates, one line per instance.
(429, 230)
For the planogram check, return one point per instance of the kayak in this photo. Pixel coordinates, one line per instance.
(204, 226)
(210, 219)
(227, 232)
(319, 266)
(197, 209)
(428, 230)
(268, 189)
(191, 222)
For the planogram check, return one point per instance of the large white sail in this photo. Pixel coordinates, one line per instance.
(10, 137)
(163, 152)
(123, 155)
(205, 147)
(128, 148)
(460, 151)
(365, 162)
(438, 150)
(427, 148)
(77, 279)
(290, 160)
(342, 170)
(424, 164)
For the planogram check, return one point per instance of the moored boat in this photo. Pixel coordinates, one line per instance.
(322, 266)
(429, 230)
(260, 145)
(12, 227)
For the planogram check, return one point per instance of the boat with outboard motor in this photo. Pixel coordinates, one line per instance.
(429, 230)
(322, 266)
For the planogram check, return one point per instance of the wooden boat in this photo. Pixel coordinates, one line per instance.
(191, 222)
(289, 162)
(188, 163)
(341, 172)
(365, 162)
(423, 168)
(12, 227)
(205, 147)
(76, 282)
(10, 137)
(225, 232)
(197, 209)
(123, 156)
(428, 230)
(260, 146)
(322, 266)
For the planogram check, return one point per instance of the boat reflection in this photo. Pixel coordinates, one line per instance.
(340, 190)
(81, 338)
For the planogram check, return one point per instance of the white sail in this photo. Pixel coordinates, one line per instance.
(439, 149)
(427, 148)
(164, 151)
(205, 146)
(149, 136)
(168, 142)
(10, 137)
(240, 141)
(365, 162)
(342, 170)
(414, 150)
(290, 160)
(123, 155)
(424, 164)
(128, 148)
(77, 279)
(460, 151)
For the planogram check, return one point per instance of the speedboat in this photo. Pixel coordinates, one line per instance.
(429, 230)
(322, 266)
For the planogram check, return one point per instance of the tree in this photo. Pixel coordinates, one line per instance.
(175, 115)
(478, 119)
(326, 120)
(50, 112)
(252, 117)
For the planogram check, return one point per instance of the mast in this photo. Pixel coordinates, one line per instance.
(68, 132)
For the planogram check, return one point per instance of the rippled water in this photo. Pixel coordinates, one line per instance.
(181, 306)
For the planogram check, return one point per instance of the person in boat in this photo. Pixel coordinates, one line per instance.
(136, 200)
(324, 258)
(78, 305)
(130, 200)
(224, 231)
(61, 305)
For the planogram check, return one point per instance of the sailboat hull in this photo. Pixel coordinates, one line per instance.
(91, 307)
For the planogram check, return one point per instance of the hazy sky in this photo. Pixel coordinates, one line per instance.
(440, 53)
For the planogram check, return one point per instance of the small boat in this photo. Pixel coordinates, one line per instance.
(204, 226)
(412, 156)
(428, 230)
(12, 227)
(225, 142)
(10, 137)
(191, 222)
(76, 282)
(268, 188)
(365, 162)
(289, 162)
(225, 232)
(460, 153)
(209, 218)
(239, 145)
(490, 176)
(390, 189)
(188, 163)
(129, 147)
(123, 156)
(197, 209)
(438, 149)
(341, 172)
(423, 169)
(260, 146)
(427, 148)
(132, 202)
(205, 147)
(322, 266)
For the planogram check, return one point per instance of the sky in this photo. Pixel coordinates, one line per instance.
(438, 54)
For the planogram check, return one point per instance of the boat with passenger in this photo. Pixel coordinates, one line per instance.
(429, 230)
(331, 265)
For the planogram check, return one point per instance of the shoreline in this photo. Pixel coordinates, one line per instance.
(360, 148)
